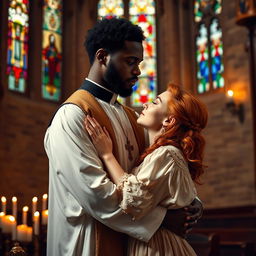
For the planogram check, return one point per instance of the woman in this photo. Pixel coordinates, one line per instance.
(167, 170)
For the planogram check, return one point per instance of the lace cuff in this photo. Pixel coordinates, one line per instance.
(136, 199)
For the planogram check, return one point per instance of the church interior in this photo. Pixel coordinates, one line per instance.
(206, 46)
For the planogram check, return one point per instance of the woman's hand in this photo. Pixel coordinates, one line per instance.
(100, 137)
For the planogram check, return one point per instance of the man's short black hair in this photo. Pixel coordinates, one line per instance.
(110, 34)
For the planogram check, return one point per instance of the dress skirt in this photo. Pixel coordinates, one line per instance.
(163, 243)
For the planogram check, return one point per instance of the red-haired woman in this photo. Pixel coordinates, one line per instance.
(168, 168)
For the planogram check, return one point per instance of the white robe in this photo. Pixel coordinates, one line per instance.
(79, 189)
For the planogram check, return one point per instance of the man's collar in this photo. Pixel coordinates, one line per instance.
(99, 91)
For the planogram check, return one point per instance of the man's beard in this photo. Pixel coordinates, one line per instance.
(115, 83)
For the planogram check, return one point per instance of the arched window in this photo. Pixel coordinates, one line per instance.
(52, 49)
(17, 49)
(141, 12)
(209, 46)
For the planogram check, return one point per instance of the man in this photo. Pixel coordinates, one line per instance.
(81, 196)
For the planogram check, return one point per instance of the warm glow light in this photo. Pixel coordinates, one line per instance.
(36, 214)
(11, 218)
(3, 199)
(2, 214)
(45, 196)
(34, 199)
(14, 199)
(25, 209)
(230, 93)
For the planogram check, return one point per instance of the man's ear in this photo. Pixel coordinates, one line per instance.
(101, 56)
(170, 120)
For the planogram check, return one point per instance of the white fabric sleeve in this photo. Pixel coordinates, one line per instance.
(163, 178)
(83, 186)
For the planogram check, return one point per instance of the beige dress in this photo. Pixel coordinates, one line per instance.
(162, 178)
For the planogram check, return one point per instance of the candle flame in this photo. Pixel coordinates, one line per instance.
(11, 218)
(36, 214)
(230, 93)
(34, 199)
(14, 199)
(25, 209)
(3, 199)
(45, 196)
(2, 214)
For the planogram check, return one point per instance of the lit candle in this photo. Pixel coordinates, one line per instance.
(29, 234)
(36, 223)
(3, 200)
(8, 223)
(22, 233)
(14, 228)
(34, 205)
(44, 217)
(1, 217)
(230, 94)
(14, 207)
(24, 215)
(45, 196)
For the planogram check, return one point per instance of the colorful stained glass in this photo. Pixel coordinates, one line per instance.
(110, 8)
(217, 66)
(52, 49)
(202, 57)
(142, 13)
(17, 51)
(197, 11)
(217, 7)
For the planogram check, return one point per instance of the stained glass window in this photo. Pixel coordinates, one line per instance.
(17, 50)
(209, 46)
(217, 67)
(110, 8)
(142, 13)
(52, 49)
(202, 58)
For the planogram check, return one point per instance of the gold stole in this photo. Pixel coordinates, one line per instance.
(108, 242)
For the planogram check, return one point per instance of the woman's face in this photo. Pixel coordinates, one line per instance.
(154, 113)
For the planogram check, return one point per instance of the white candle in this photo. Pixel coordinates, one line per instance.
(3, 200)
(1, 217)
(44, 203)
(14, 207)
(29, 234)
(8, 223)
(14, 228)
(36, 223)
(22, 233)
(44, 217)
(24, 215)
(34, 205)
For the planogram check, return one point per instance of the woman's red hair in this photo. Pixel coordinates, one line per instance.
(191, 117)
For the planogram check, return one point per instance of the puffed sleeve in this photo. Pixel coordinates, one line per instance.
(163, 178)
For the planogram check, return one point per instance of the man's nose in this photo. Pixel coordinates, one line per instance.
(136, 71)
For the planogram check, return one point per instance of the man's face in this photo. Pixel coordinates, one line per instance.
(123, 68)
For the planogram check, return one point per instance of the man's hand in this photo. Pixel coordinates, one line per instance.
(181, 221)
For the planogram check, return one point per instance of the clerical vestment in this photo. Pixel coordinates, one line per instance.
(80, 191)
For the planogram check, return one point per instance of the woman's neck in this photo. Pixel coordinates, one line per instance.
(152, 136)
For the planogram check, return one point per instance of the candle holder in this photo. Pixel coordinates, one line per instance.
(28, 247)
(17, 250)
